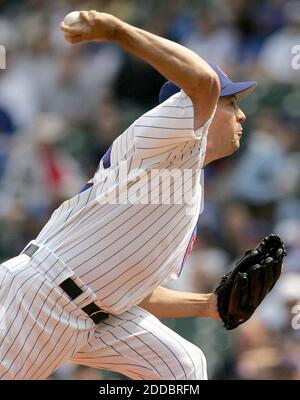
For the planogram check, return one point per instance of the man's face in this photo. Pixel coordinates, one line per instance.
(225, 130)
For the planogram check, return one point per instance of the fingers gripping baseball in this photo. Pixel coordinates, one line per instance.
(89, 26)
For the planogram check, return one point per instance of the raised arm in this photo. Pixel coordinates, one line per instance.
(177, 63)
(168, 303)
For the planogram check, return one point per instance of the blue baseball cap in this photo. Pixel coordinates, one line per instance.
(228, 88)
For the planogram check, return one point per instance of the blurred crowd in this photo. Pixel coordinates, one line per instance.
(61, 106)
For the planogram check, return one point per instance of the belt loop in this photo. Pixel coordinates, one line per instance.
(72, 290)
(92, 310)
(30, 249)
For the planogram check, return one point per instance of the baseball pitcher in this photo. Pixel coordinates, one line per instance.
(89, 288)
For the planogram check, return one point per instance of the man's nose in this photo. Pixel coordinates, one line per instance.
(241, 117)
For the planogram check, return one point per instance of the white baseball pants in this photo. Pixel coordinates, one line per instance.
(41, 328)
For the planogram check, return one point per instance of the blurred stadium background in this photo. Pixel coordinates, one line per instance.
(62, 106)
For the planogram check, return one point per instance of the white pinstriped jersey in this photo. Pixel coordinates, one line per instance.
(123, 251)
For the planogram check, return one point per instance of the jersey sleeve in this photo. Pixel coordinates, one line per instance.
(168, 124)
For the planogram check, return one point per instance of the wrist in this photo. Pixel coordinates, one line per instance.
(116, 29)
(106, 27)
(206, 305)
(212, 306)
(120, 31)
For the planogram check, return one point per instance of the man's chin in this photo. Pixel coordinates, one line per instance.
(235, 145)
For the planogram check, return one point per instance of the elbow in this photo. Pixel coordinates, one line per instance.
(215, 84)
(206, 83)
(210, 83)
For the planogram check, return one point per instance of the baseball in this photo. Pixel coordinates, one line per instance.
(73, 19)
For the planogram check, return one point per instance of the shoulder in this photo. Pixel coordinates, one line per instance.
(179, 106)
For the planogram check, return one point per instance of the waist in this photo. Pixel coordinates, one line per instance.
(59, 274)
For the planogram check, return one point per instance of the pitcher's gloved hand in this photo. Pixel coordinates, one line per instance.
(242, 290)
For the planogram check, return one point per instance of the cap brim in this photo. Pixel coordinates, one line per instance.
(239, 89)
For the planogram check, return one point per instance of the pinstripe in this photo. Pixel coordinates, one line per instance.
(139, 262)
(127, 209)
(168, 332)
(48, 319)
(102, 357)
(141, 187)
(23, 323)
(20, 303)
(61, 226)
(2, 285)
(25, 340)
(110, 346)
(132, 374)
(135, 283)
(117, 355)
(81, 250)
(122, 147)
(165, 345)
(160, 138)
(158, 147)
(151, 332)
(48, 225)
(152, 164)
(117, 364)
(164, 127)
(34, 364)
(167, 117)
(55, 361)
(182, 108)
(72, 209)
(147, 346)
(169, 349)
(121, 236)
(139, 339)
(91, 190)
(3, 279)
(97, 243)
(51, 266)
(66, 354)
(61, 233)
(72, 228)
(126, 141)
(113, 254)
(128, 243)
(11, 284)
(61, 209)
(141, 271)
(68, 202)
(135, 351)
(114, 152)
(37, 339)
